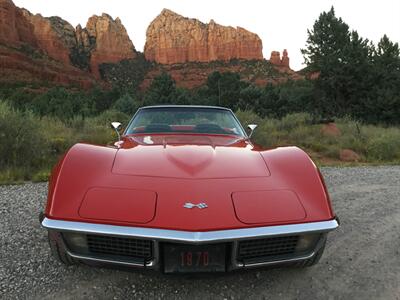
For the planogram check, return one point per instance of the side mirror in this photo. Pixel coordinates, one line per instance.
(117, 127)
(252, 127)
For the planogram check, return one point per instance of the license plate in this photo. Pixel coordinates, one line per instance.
(188, 258)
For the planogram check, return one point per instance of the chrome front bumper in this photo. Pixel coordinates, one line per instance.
(188, 237)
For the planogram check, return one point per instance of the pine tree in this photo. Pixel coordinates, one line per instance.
(343, 61)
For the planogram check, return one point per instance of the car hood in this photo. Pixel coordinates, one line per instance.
(163, 177)
(189, 157)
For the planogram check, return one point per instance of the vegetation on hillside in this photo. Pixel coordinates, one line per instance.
(127, 74)
(30, 145)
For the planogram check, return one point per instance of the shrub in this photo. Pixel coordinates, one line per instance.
(127, 104)
(385, 147)
(41, 176)
(21, 142)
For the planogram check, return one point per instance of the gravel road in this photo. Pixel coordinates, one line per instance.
(361, 261)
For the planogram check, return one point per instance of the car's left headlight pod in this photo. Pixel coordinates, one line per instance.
(307, 242)
(76, 242)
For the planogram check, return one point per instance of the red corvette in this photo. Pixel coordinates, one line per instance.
(185, 190)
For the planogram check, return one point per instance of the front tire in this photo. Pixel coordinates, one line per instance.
(57, 249)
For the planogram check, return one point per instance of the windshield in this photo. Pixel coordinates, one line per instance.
(185, 120)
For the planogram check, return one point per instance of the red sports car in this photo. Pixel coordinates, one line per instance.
(186, 190)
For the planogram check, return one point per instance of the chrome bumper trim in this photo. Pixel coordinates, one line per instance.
(188, 236)
(276, 262)
(150, 264)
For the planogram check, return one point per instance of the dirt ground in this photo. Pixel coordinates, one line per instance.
(361, 261)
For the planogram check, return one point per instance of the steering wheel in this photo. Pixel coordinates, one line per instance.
(158, 127)
(209, 128)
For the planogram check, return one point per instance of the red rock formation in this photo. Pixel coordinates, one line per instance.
(82, 38)
(276, 60)
(112, 43)
(16, 66)
(330, 129)
(103, 41)
(349, 155)
(285, 59)
(50, 40)
(14, 28)
(171, 38)
(26, 42)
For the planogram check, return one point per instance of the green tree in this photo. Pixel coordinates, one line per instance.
(326, 42)
(384, 102)
(103, 98)
(127, 104)
(343, 61)
(224, 88)
(250, 98)
(162, 90)
(55, 102)
(21, 99)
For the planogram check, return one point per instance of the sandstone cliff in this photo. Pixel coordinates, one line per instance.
(106, 40)
(276, 59)
(15, 29)
(34, 48)
(28, 41)
(171, 38)
(31, 37)
(54, 36)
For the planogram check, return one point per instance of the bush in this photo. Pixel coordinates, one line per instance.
(30, 146)
(385, 147)
(41, 176)
(127, 104)
(21, 142)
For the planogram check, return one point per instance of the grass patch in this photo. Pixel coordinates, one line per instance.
(374, 144)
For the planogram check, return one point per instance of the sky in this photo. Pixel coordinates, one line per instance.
(280, 24)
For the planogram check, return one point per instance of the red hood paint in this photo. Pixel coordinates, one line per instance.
(189, 157)
(115, 204)
(189, 168)
(268, 206)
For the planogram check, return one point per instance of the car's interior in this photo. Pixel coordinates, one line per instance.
(199, 128)
(175, 119)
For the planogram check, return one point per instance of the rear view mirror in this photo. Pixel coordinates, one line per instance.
(252, 127)
(117, 127)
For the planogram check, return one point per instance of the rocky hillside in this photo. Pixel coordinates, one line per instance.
(34, 48)
(106, 41)
(172, 38)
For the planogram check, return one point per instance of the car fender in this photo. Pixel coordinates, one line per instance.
(294, 167)
(82, 166)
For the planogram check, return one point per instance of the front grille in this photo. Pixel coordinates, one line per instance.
(266, 249)
(122, 247)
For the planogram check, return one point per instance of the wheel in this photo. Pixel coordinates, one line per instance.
(313, 260)
(57, 249)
